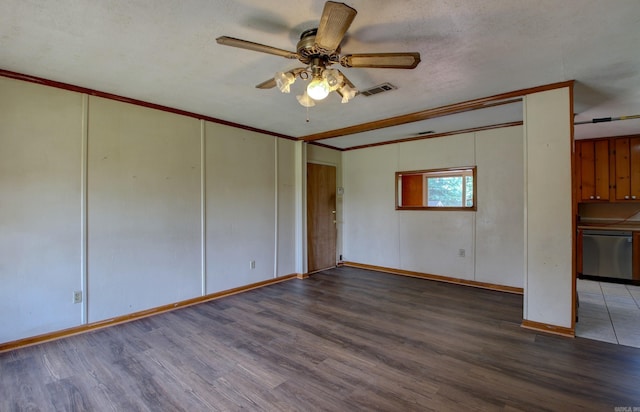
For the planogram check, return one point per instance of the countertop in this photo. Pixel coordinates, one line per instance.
(633, 226)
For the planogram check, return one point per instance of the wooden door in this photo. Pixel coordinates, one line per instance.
(321, 217)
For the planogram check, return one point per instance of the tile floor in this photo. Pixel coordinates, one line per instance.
(609, 312)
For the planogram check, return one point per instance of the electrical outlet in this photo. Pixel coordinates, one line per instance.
(77, 296)
(252, 264)
(462, 252)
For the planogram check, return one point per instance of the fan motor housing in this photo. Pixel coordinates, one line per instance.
(307, 49)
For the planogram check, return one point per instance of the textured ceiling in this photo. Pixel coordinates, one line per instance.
(164, 52)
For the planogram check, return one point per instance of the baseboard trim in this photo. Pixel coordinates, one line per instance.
(547, 328)
(76, 330)
(302, 275)
(439, 278)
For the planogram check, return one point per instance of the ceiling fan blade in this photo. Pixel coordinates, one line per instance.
(381, 60)
(249, 45)
(268, 84)
(334, 23)
(271, 83)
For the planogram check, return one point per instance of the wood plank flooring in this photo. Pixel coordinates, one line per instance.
(344, 339)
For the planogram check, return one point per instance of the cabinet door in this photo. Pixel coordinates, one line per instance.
(602, 169)
(587, 170)
(623, 169)
(627, 168)
(594, 169)
(634, 166)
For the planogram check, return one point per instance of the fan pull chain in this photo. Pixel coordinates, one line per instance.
(307, 115)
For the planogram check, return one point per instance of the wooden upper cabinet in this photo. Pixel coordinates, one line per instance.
(627, 168)
(634, 148)
(593, 165)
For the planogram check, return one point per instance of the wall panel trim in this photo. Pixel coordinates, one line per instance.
(84, 210)
(203, 205)
(276, 203)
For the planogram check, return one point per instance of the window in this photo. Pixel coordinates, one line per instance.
(441, 189)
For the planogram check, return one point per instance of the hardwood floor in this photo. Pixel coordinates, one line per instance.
(344, 339)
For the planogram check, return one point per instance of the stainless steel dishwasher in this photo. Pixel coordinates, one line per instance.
(607, 253)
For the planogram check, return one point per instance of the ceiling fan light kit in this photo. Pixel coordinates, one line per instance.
(318, 49)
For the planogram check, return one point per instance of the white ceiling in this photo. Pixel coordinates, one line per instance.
(164, 52)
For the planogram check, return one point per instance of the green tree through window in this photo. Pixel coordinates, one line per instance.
(444, 191)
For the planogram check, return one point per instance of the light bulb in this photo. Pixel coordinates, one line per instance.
(318, 88)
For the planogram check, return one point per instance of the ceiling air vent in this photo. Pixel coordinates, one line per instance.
(384, 87)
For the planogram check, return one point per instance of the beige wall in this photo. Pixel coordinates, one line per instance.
(40, 208)
(429, 241)
(371, 229)
(240, 199)
(164, 208)
(499, 226)
(286, 208)
(143, 208)
(548, 209)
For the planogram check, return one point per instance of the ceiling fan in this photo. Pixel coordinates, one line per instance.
(318, 49)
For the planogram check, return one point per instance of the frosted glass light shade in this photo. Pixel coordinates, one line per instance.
(284, 80)
(305, 100)
(347, 93)
(333, 78)
(318, 89)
